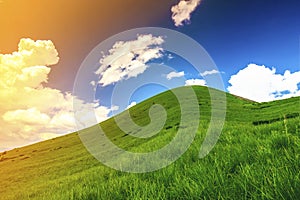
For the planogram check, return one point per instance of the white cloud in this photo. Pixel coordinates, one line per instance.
(182, 11)
(211, 72)
(29, 116)
(170, 57)
(195, 82)
(133, 103)
(260, 83)
(128, 59)
(30, 112)
(102, 112)
(93, 83)
(175, 75)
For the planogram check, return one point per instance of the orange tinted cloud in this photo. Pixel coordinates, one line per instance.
(74, 26)
(30, 112)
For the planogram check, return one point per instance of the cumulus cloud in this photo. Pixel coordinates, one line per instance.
(86, 113)
(195, 82)
(127, 59)
(30, 112)
(93, 83)
(211, 72)
(175, 75)
(260, 83)
(182, 11)
(29, 116)
(133, 103)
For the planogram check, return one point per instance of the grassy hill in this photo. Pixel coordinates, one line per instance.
(257, 157)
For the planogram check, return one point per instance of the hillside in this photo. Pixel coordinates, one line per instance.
(257, 156)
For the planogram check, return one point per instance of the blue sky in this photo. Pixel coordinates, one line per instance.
(236, 34)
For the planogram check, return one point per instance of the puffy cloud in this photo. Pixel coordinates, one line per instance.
(211, 72)
(29, 116)
(260, 83)
(182, 11)
(93, 83)
(101, 112)
(30, 112)
(195, 82)
(27, 66)
(175, 75)
(63, 120)
(133, 103)
(32, 76)
(129, 59)
(90, 113)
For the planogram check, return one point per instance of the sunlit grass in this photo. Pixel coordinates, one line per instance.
(248, 162)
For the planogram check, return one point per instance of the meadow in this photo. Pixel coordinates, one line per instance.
(256, 157)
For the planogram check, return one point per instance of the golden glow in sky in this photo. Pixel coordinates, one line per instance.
(34, 82)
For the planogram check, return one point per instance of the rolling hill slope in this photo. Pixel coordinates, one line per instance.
(257, 156)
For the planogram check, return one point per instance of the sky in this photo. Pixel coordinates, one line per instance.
(255, 46)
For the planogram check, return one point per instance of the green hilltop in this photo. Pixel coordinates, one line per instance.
(256, 157)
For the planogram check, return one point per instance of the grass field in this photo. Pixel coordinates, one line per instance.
(257, 157)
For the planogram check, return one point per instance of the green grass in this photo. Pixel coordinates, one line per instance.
(257, 157)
